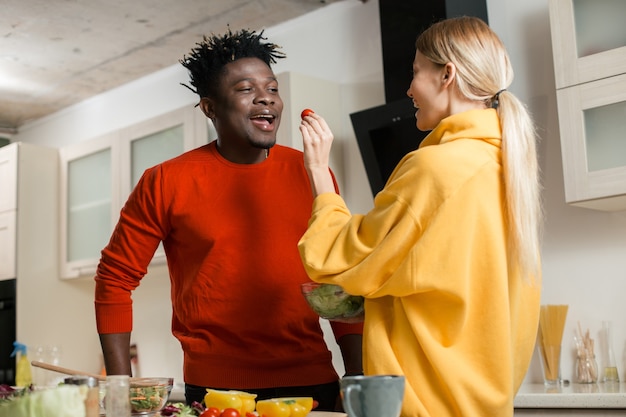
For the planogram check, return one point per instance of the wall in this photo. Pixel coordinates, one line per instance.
(583, 251)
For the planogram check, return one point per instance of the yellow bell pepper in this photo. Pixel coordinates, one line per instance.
(285, 407)
(244, 402)
(272, 408)
(248, 402)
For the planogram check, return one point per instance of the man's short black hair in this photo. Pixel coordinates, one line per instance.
(206, 61)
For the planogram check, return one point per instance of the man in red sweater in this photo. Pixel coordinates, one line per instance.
(229, 215)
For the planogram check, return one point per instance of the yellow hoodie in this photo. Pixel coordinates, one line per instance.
(441, 306)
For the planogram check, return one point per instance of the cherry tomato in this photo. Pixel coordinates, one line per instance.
(306, 112)
(230, 412)
(211, 412)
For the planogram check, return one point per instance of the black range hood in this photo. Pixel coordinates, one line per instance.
(386, 133)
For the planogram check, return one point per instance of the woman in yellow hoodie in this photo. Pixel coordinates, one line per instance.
(448, 258)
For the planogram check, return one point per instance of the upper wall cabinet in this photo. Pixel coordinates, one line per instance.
(8, 177)
(98, 175)
(299, 92)
(589, 40)
(8, 211)
(28, 209)
(589, 47)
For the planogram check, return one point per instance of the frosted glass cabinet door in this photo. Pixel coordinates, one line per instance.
(588, 38)
(88, 204)
(151, 150)
(592, 121)
(158, 139)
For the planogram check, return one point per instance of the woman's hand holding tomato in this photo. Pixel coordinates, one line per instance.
(317, 139)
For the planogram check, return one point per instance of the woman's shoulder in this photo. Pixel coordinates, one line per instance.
(444, 165)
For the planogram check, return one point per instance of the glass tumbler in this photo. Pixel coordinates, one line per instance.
(117, 397)
(586, 369)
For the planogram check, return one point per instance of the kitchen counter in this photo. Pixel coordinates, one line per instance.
(596, 396)
(539, 399)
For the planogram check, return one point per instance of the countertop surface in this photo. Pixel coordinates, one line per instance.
(600, 395)
(596, 396)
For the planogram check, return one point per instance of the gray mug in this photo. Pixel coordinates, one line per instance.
(372, 396)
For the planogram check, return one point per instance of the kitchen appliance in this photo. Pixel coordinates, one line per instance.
(386, 133)
(7, 331)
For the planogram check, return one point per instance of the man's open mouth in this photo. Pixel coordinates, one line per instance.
(263, 120)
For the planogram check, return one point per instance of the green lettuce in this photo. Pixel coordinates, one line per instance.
(61, 401)
(330, 301)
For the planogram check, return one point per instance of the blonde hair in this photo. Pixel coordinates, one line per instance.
(484, 72)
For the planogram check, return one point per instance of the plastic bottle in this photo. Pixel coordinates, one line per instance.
(23, 374)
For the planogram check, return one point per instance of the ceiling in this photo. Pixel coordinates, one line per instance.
(55, 53)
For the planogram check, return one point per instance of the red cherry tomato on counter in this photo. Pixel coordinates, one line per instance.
(305, 113)
(211, 412)
(230, 412)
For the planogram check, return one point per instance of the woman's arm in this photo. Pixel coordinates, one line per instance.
(317, 141)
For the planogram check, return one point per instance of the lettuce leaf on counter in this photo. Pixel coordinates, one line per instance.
(61, 401)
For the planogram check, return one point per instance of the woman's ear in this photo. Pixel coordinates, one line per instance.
(206, 105)
(449, 73)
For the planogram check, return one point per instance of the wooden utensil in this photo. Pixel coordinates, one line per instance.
(66, 371)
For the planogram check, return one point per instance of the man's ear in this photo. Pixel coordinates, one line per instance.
(449, 73)
(207, 107)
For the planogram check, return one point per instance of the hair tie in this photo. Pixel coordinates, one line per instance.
(495, 100)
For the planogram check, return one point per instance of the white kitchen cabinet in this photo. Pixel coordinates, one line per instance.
(8, 206)
(592, 119)
(8, 242)
(589, 40)
(90, 200)
(299, 92)
(589, 47)
(8, 178)
(28, 198)
(98, 175)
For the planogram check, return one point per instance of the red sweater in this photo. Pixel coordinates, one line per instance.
(230, 233)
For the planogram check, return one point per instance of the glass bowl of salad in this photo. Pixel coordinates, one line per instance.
(331, 302)
(147, 395)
